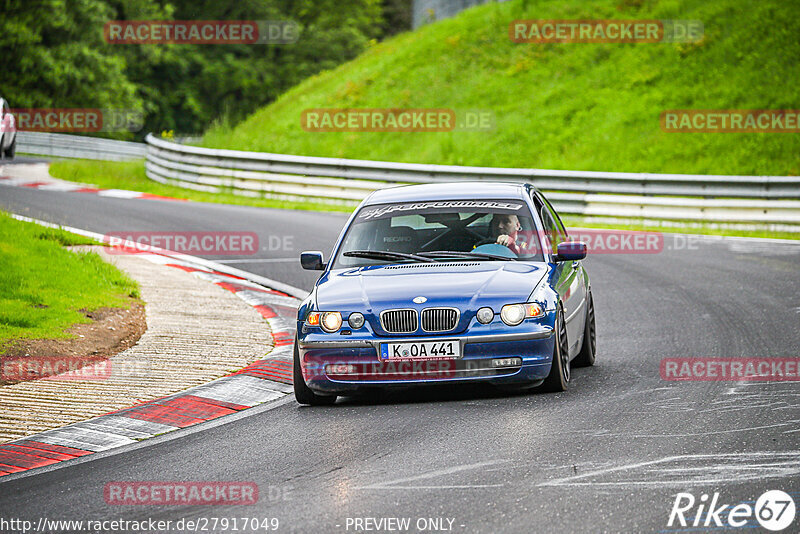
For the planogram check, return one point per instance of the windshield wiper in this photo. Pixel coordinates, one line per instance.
(461, 254)
(385, 255)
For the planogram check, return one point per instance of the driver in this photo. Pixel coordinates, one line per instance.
(505, 229)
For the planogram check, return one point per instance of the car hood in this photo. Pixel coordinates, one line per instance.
(466, 285)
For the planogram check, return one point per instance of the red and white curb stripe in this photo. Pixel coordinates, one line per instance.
(70, 187)
(260, 382)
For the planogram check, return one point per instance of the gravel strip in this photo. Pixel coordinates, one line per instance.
(196, 332)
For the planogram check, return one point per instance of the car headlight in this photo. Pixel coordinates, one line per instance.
(485, 315)
(330, 321)
(356, 320)
(514, 314)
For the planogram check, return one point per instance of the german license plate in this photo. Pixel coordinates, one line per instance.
(429, 350)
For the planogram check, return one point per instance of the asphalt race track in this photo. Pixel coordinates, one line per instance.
(609, 455)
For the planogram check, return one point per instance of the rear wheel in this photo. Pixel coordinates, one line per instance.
(302, 392)
(586, 356)
(558, 379)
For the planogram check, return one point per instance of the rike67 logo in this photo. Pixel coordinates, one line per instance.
(774, 510)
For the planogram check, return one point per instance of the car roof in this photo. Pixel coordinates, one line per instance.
(470, 190)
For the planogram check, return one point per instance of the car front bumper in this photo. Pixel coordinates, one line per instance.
(359, 364)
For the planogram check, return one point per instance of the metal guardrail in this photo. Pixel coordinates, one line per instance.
(770, 200)
(761, 200)
(78, 146)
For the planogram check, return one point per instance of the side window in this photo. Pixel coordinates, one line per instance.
(560, 225)
(554, 230)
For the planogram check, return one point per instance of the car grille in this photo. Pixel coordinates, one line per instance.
(399, 321)
(439, 319)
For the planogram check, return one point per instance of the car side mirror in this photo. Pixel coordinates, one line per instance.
(570, 251)
(312, 260)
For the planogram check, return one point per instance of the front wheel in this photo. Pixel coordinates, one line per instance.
(302, 393)
(558, 379)
(11, 150)
(586, 356)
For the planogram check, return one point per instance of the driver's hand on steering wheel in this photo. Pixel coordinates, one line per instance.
(505, 240)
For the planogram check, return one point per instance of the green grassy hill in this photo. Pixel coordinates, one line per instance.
(560, 106)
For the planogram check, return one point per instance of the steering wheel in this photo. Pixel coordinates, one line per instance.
(495, 249)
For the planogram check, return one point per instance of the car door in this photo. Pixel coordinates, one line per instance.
(570, 285)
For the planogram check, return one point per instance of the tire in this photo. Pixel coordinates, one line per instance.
(586, 356)
(558, 379)
(302, 393)
(10, 151)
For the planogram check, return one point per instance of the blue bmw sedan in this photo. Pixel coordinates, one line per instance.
(443, 283)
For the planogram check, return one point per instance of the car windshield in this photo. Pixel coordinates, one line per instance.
(450, 230)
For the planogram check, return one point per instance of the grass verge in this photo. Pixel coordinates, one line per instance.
(45, 288)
